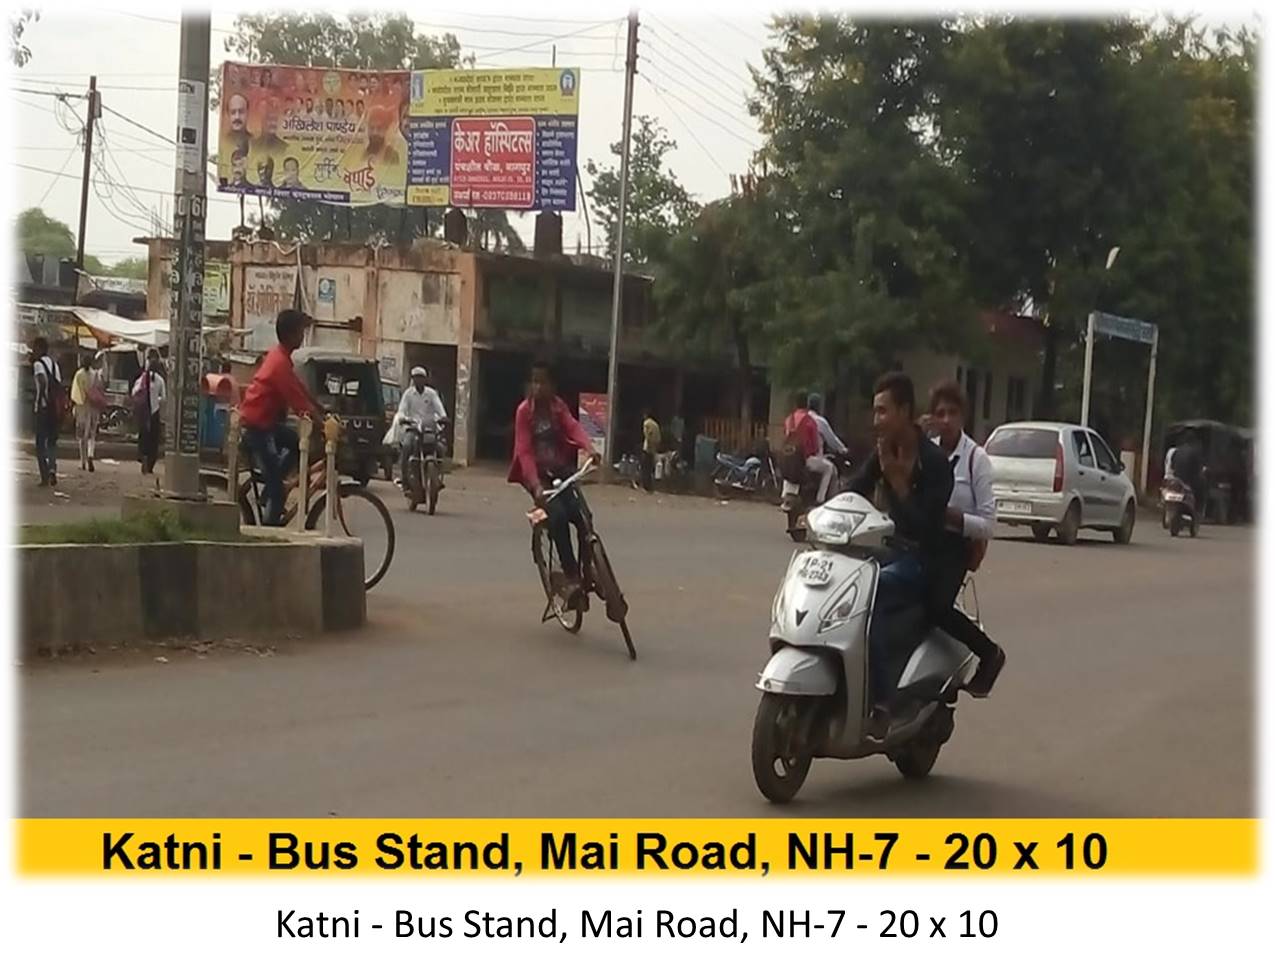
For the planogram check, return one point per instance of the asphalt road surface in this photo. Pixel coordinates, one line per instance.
(1129, 689)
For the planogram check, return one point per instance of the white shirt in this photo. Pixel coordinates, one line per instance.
(826, 436)
(425, 407)
(972, 495)
(158, 390)
(45, 367)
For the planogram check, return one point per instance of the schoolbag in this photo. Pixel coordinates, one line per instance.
(55, 391)
(792, 455)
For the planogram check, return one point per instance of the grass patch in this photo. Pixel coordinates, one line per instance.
(146, 528)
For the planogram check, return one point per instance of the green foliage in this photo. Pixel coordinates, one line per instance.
(19, 21)
(657, 204)
(146, 528)
(39, 233)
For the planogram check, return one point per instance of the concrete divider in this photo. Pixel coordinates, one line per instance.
(79, 594)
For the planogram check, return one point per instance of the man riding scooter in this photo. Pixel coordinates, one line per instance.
(909, 478)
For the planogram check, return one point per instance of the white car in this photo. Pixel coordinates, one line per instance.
(1055, 476)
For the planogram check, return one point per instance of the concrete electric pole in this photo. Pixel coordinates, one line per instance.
(186, 307)
(95, 112)
(617, 296)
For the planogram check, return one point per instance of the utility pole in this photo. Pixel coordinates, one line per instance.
(95, 112)
(186, 306)
(613, 366)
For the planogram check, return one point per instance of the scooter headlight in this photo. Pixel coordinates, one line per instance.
(832, 527)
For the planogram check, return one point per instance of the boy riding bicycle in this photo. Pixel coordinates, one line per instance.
(546, 437)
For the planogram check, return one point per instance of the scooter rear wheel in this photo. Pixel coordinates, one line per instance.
(777, 769)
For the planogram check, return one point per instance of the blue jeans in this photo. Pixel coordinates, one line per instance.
(46, 444)
(900, 585)
(273, 452)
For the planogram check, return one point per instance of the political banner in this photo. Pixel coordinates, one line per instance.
(317, 134)
(594, 407)
(502, 139)
(216, 289)
(267, 291)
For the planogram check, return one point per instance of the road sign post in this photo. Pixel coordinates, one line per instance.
(1127, 329)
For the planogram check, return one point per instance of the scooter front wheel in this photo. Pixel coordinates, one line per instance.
(781, 758)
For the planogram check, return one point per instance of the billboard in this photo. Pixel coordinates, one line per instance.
(318, 134)
(502, 138)
(594, 407)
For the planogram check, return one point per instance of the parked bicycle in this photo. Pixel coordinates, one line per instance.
(359, 512)
(597, 576)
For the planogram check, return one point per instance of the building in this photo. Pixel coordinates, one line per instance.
(477, 320)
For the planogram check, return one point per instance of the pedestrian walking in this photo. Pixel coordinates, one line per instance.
(149, 393)
(88, 394)
(49, 404)
(650, 446)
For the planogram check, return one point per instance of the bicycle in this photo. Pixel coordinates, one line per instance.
(597, 575)
(359, 512)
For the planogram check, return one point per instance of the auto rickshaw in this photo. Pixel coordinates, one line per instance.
(348, 386)
(1227, 452)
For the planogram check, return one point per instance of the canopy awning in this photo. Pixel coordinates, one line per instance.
(112, 327)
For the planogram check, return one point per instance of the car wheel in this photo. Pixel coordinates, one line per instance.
(1069, 529)
(1124, 533)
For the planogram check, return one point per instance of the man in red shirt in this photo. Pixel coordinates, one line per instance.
(275, 388)
(801, 442)
(546, 437)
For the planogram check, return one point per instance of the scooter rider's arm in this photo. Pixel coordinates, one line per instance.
(830, 438)
(980, 523)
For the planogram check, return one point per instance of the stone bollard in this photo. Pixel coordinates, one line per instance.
(303, 474)
(232, 455)
(331, 433)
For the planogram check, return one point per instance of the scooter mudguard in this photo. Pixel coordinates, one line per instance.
(797, 672)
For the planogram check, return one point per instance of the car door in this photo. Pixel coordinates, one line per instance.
(1086, 482)
(1111, 480)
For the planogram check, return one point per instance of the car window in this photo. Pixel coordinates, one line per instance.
(1020, 443)
(1106, 462)
(1084, 452)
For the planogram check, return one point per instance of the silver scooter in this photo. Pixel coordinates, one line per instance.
(815, 687)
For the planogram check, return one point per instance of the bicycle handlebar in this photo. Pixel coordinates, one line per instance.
(563, 485)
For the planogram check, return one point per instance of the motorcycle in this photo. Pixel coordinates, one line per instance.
(751, 474)
(424, 468)
(795, 506)
(815, 685)
(1177, 501)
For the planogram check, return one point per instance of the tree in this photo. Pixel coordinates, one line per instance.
(19, 53)
(657, 204)
(867, 259)
(135, 268)
(379, 41)
(490, 229)
(39, 233)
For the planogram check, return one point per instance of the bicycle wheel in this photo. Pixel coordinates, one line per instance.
(361, 514)
(609, 590)
(249, 514)
(542, 552)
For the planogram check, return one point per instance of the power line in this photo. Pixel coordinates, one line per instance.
(139, 189)
(711, 158)
(740, 31)
(728, 110)
(557, 37)
(534, 20)
(164, 20)
(697, 48)
(54, 181)
(60, 95)
(706, 118)
(511, 33)
(149, 131)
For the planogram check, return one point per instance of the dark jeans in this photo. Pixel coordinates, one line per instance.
(900, 586)
(945, 614)
(274, 451)
(647, 461)
(564, 510)
(46, 444)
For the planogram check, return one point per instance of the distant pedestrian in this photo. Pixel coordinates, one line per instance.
(149, 393)
(49, 405)
(650, 446)
(88, 393)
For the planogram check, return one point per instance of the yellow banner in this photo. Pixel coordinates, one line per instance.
(501, 91)
(660, 848)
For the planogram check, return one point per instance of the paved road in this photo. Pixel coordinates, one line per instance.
(1129, 689)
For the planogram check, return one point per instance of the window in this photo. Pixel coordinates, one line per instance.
(1106, 461)
(1023, 443)
(1084, 452)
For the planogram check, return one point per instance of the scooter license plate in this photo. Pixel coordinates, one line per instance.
(1174, 497)
(815, 571)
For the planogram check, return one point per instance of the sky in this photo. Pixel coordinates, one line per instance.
(692, 76)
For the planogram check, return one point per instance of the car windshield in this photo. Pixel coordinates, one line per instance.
(1023, 443)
